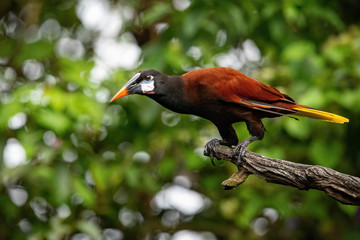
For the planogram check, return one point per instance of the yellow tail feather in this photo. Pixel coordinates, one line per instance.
(318, 114)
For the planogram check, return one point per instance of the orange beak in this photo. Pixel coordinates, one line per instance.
(124, 90)
(121, 93)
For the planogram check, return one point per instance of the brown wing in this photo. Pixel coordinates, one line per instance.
(233, 86)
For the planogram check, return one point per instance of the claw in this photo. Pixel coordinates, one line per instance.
(209, 149)
(212, 158)
(241, 149)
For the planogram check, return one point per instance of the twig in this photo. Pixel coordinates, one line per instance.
(342, 187)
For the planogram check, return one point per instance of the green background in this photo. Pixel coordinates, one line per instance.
(90, 169)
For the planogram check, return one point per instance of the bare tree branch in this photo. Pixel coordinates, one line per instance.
(342, 187)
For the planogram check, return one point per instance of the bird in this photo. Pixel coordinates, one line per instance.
(223, 96)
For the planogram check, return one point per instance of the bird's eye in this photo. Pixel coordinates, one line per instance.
(148, 77)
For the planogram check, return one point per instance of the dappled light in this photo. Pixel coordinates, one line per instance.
(17, 121)
(18, 195)
(179, 198)
(70, 48)
(14, 153)
(33, 69)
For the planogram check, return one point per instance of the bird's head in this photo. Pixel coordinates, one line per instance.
(146, 82)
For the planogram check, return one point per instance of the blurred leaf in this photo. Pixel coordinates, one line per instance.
(312, 97)
(237, 18)
(167, 167)
(327, 15)
(327, 154)
(39, 50)
(90, 229)
(149, 109)
(31, 141)
(350, 210)
(76, 71)
(86, 194)
(100, 175)
(133, 177)
(55, 121)
(156, 13)
(174, 55)
(7, 111)
(58, 229)
(192, 23)
(62, 184)
(299, 50)
(298, 129)
(6, 47)
(350, 98)
(229, 208)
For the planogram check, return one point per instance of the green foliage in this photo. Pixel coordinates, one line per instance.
(74, 166)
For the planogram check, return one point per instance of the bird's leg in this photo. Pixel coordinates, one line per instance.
(257, 130)
(210, 147)
(242, 147)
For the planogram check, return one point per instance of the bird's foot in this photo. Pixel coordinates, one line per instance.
(241, 148)
(210, 149)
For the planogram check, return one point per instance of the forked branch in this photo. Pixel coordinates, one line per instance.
(342, 187)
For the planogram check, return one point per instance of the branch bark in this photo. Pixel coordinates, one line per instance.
(342, 187)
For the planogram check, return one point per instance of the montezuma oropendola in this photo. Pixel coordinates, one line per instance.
(224, 96)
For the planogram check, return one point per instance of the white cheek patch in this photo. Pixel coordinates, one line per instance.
(147, 86)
